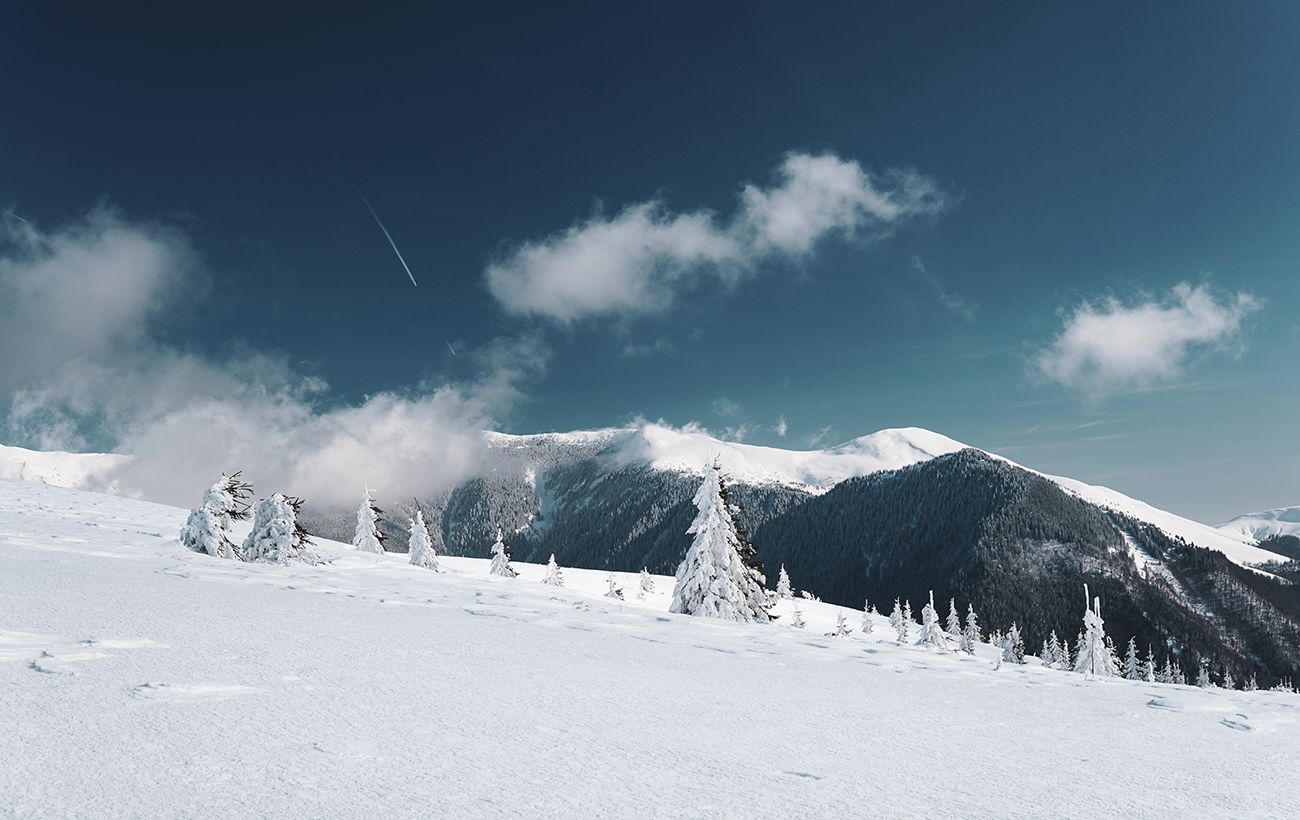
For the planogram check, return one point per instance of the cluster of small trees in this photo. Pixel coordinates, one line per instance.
(276, 538)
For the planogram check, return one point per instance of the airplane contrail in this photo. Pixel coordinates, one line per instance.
(380, 223)
(449, 347)
(19, 218)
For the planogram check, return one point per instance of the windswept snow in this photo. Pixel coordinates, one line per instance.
(1260, 525)
(74, 470)
(139, 678)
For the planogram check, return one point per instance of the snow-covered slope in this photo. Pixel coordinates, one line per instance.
(74, 470)
(137, 678)
(1260, 525)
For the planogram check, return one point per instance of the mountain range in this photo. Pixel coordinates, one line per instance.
(895, 514)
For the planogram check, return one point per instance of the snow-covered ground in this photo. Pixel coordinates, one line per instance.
(144, 680)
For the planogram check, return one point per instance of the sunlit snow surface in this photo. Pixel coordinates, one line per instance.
(143, 680)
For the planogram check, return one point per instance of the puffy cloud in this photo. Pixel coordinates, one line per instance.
(93, 373)
(638, 260)
(1110, 346)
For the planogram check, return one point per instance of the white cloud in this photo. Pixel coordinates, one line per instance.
(78, 303)
(781, 428)
(639, 260)
(954, 302)
(1110, 346)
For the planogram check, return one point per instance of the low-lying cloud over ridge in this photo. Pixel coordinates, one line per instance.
(1109, 346)
(637, 261)
(83, 366)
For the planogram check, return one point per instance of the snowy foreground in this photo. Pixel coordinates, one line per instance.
(143, 679)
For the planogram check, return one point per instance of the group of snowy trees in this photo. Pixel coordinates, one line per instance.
(276, 538)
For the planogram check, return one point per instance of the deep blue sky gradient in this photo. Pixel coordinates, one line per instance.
(1114, 148)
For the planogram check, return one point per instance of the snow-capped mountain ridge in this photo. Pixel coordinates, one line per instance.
(687, 449)
(1265, 524)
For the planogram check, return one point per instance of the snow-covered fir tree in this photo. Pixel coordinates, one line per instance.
(1228, 681)
(614, 590)
(796, 620)
(1094, 656)
(896, 615)
(970, 633)
(1065, 663)
(901, 620)
(1013, 645)
(907, 614)
(932, 634)
(277, 537)
(553, 575)
(718, 577)
(647, 583)
(1132, 670)
(783, 585)
(868, 617)
(207, 529)
(841, 629)
(1049, 654)
(501, 558)
(1166, 673)
(1203, 676)
(1149, 667)
(420, 547)
(367, 537)
(1251, 684)
(953, 625)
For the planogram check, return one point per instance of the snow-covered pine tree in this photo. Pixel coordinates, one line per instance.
(783, 585)
(1180, 677)
(1203, 676)
(970, 634)
(553, 575)
(1013, 645)
(841, 629)
(896, 615)
(932, 634)
(902, 620)
(501, 558)
(1251, 684)
(647, 583)
(1149, 667)
(1048, 655)
(1094, 656)
(1228, 682)
(1131, 670)
(614, 591)
(953, 625)
(868, 622)
(277, 537)
(420, 547)
(1166, 673)
(1066, 663)
(796, 620)
(367, 537)
(207, 529)
(907, 614)
(718, 578)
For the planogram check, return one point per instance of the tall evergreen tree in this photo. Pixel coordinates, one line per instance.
(1094, 656)
(718, 578)
(1131, 668)
(1013, 645)
(420, 547)
(501, 558)
(368, 537)
(970, 634)
(783, 585)
(1228, 682)
(1203, 676)
(953, 624)
(1149, 667)
(207, 529)
(553, 577)
(931, 634)
(1066, 662)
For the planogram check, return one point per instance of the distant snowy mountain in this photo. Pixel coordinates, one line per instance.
(1267, 524)
(72, 470)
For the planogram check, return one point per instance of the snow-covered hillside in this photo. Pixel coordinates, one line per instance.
(76, 470)
(1260, 525)
(142, 679)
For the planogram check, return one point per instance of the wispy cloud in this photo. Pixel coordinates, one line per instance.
(1109, 347)
(954, 302)
(640, 259)
(780, 428)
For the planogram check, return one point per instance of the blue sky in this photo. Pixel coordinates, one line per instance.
(1008, 202)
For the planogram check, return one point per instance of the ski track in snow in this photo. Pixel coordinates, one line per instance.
(180, 684)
